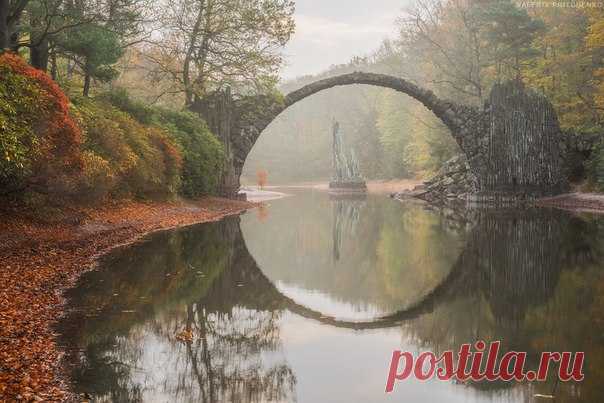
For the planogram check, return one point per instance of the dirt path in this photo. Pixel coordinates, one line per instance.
(39, 261)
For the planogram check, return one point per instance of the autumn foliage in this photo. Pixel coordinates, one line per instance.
(40, 145)
(92, 150)
(202, 153)
(122, 157)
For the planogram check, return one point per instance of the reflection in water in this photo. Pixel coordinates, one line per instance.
(271, 313)
(531, 280)
(387, 257)
(346, 218)
(128, 320)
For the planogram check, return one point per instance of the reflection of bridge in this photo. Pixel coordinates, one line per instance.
(258, 292)
(426, 304)
(512, 144)
(512, 257)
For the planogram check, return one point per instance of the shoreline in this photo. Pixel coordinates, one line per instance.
(373, 186)
(41, 260)
(578, 202)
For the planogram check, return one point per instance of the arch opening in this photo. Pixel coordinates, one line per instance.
(452, 116)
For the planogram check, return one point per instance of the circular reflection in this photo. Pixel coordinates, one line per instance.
(352, 259)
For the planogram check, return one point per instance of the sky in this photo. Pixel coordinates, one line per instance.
(331, 32)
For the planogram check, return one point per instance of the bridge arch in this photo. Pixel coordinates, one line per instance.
(453, 283)
(512, 145)
(453, 116)
(445, 111)
(503, 258)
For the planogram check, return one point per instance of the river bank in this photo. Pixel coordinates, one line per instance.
(574, 202)
(40, 260)
(373, 186)
(579, 202)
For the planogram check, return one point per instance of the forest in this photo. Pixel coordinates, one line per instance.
(94, 95)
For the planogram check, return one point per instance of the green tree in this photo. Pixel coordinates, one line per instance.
(507, 33)
(38, 24)
(209, 43)
(95, 49)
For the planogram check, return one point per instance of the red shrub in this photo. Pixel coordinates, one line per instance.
(58, 149)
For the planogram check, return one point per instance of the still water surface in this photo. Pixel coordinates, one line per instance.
(305, 299)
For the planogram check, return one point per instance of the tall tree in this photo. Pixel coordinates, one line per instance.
(95, 49)
(443, 35)
(36, 24)
(98, 36)
(507, 35)
(214, 42)
(4, 35)
(466, 45)
(566, 67)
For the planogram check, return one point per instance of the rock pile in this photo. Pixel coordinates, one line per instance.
(453, 181)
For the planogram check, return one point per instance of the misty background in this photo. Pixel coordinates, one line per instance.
(389, 131)
(457, 48)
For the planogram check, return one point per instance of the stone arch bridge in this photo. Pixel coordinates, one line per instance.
(513, 143)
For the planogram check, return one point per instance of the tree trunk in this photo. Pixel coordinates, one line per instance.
(53, 65)
(86, 85)
(4, 33)
(9, 32)
(186, 71)
(14, 40)
(70, 68)
(39, 55)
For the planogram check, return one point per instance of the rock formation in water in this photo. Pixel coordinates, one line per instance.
(347, 173)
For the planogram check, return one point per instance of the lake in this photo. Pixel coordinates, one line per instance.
(305, 299)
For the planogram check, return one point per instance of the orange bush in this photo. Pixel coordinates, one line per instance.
(55, 154)
(104, 153)
(261, 178)
(142, 161)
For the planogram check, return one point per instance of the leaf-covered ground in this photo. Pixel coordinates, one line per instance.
(39, 260)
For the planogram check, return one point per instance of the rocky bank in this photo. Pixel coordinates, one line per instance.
(453, 182)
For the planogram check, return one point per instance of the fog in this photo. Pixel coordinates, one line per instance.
(331, 32)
